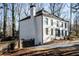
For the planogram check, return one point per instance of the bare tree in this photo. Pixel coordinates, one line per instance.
(39, 6)
(13, 21)
(18, 11)
(76, 23)
(52, 7)
(1, 21)
(5, 19)
(56, 8)
(75, 10)
(26, 9)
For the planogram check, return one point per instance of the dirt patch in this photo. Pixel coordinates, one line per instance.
(46, 52)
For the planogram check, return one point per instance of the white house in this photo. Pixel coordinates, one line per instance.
(42, 27)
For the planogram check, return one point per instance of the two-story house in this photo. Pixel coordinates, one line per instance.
(42, 27)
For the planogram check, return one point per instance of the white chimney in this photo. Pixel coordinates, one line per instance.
(32, 9)
(33, 21)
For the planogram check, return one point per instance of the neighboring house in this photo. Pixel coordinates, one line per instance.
(42, 27)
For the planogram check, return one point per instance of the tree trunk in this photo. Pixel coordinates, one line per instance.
(5, 19)
(52, 8)
(13, 21)
(70, 18)
(76, 29)
(19, 42)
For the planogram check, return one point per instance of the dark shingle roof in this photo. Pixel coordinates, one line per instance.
(25, 18)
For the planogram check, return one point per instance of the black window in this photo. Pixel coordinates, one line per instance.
(62, 33)
(51, 22)
(65, 25)
(51, 31)
(65, 33)
(46, 31)
(57, 32)
(46, 21)
(62, 24)
(57, 23)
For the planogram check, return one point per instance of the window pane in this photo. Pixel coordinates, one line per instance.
(46, 31)
(46, 21)
(57, 32)
(57, 23)
(65, 25)
(65, 33)
(62, 33)
(62, 24)
(51, 22)
(51, 31)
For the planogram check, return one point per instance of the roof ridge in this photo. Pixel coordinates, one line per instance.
(41, 12)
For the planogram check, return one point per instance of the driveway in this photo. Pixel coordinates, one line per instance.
(59, 44)
(60, 48)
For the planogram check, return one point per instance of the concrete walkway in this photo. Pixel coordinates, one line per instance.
(60, 44)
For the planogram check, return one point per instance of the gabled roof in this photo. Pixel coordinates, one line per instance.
(45, 13)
